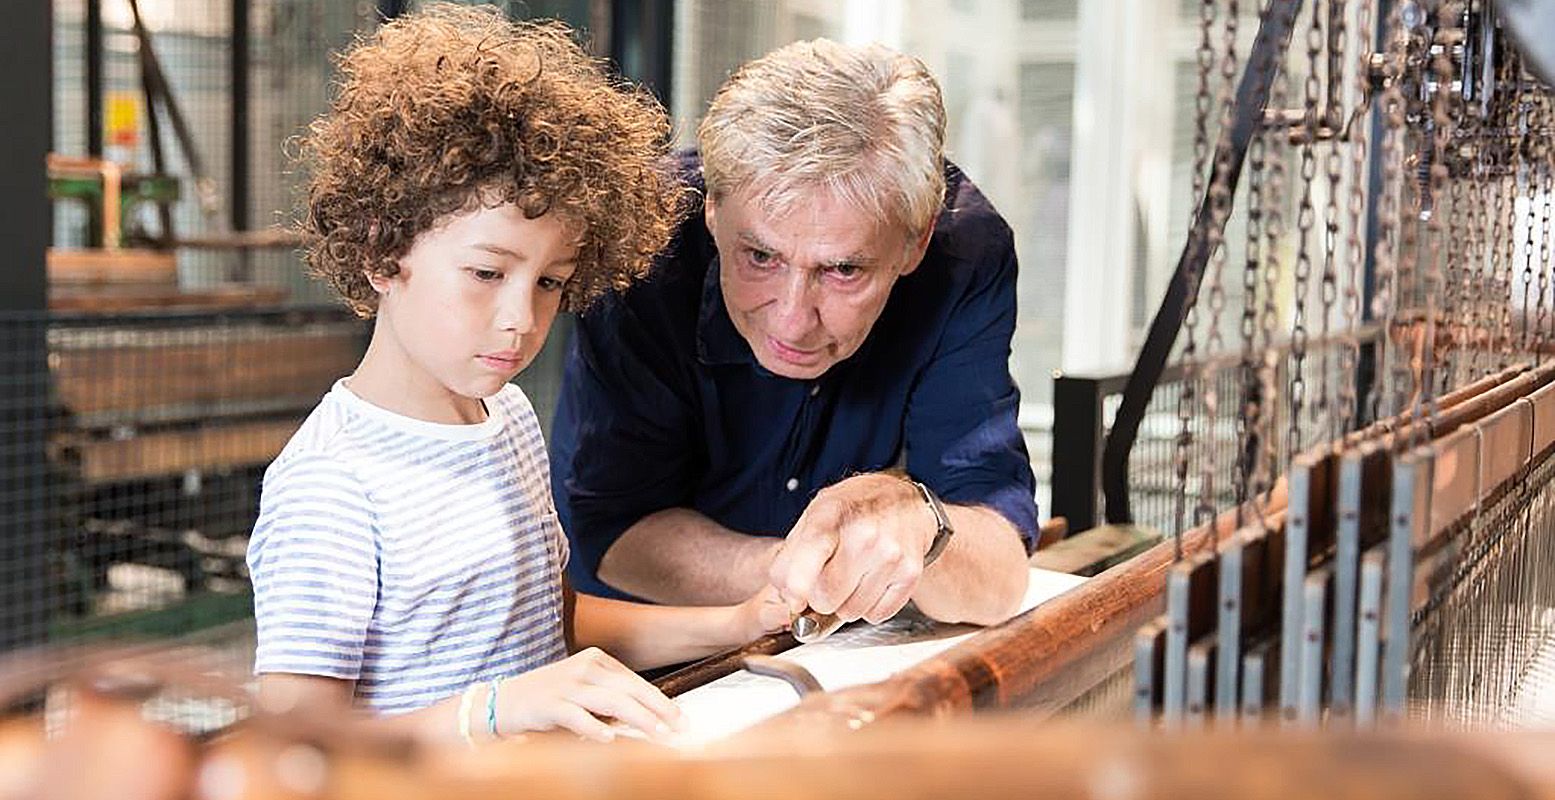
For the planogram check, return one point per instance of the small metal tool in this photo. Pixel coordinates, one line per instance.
(812, 626)
(794, 675)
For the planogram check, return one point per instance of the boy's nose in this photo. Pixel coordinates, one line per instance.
(517, 313)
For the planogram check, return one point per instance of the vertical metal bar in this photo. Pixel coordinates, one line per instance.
(1201, 673)
(238, 203)
(1149, 651)
(1368, 631)
(1228, 630)
(26, 216)
(1257, 665)
(1309, 696)
(26, 224)
(94, 78)
(1346, 566)
(389, 9)
(641, 42)
(1076, 458)
(1410, 502)
(1298, 520)
(1190, 596)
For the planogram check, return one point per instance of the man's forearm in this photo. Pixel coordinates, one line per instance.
(981, 577)
(679, 556)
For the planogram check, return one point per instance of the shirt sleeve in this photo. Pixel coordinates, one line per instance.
(621, 439)
(962, 435)
(313, 560)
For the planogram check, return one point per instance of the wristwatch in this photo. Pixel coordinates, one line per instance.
(943, 530)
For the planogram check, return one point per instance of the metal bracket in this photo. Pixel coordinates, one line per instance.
(796, 676)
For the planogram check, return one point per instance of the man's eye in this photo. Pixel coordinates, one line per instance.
(760, 258)
(845, 271)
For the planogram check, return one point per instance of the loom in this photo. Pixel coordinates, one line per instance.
(1360, 537)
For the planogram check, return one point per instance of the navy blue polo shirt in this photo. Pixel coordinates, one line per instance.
(663, 404)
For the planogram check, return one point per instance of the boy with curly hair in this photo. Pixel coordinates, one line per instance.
(472, 177)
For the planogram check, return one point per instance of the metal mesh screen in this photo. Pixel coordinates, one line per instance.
(139, 411)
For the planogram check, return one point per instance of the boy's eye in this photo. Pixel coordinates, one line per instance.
(551, 284)
(485, 275)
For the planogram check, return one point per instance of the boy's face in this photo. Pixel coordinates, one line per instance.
(473, 301)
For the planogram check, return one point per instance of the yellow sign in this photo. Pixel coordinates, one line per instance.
(122, 120)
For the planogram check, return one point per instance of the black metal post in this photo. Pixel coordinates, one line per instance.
(1077, 444)
(26, 223)
(389, 9)
(94, 78)
(238, 202)
(641, 42)
(1252, 93)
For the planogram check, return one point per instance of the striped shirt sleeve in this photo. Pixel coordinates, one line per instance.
(313, 560)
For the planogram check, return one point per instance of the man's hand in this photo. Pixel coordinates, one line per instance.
(857, 550)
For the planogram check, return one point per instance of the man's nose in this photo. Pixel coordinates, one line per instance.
(796, 310)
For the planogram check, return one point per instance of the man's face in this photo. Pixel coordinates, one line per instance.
(805, 288)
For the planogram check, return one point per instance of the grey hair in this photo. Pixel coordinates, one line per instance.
(865, 123)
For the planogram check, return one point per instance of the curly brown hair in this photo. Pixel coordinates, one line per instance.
(456, 106)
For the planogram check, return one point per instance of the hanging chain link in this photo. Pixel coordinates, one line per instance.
(1249, 424)
(1328, 293)
(1385, 299)
(1220, 209)
(1187, 398)
(1306, 216)
(1273, 203)
(1355, 256)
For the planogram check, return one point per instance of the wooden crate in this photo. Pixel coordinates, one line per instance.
(175, 451)
(132, 372)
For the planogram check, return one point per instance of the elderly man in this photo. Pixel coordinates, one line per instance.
(812, 389)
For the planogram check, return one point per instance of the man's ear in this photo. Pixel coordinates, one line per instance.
(915, 255)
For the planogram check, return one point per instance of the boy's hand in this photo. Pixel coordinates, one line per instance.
(764, 613)
(579, 694)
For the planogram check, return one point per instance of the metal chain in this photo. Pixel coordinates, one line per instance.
(1478, 258)
(1414, 189)
(1435, 249)
(1333, 167)
(1220, 209)
(1525, 173)
(1531, 332)
(1274, 199)
(1350, 353)
(1254, 402)
(1306, 215)
(1385, 250)
(1544, 231)
(1187, 398)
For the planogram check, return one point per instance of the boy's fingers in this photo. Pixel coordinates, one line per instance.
(630, 683)
(574, 718)
(604, 702)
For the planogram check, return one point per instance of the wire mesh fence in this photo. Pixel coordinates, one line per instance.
(141, 406)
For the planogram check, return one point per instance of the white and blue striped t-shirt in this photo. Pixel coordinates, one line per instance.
(412, 557)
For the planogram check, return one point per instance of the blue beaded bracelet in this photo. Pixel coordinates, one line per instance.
(491, 708)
